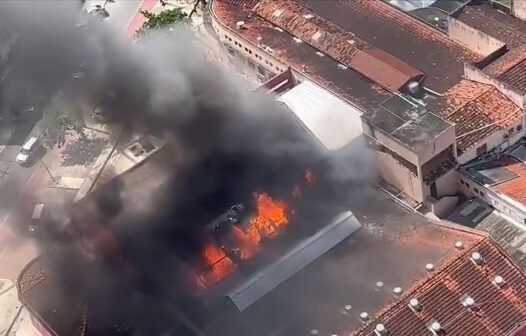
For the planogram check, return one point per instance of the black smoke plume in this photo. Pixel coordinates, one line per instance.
(223, 143)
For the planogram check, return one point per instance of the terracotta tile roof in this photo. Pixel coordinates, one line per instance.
(401, 35)
(477, 110)
(503, 27)
(382, 68)
(516, 76)
(499, 310)
(514, 188)
(324, 70)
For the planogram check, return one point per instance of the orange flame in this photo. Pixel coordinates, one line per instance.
(270, 216)
(218, 263)
(247, 247)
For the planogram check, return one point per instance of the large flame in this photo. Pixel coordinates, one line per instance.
(270, 218)
(217, 262)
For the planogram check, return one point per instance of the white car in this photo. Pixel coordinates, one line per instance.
(28, 150)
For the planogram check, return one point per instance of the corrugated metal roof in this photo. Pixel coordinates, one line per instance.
(333, 121)
(299, 257)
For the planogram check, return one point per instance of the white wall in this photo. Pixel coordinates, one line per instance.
(399, 176)
(472, 38)
(495, 140)
(500, 202)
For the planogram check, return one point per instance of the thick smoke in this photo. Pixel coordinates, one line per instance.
(223, 144)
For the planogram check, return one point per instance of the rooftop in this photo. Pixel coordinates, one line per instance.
(478, 110)
(366, 267)
(503, 27)
(387, 28)
(347, 83)
(505, 174)
(412, 125)
(479, 215)
(495, 311)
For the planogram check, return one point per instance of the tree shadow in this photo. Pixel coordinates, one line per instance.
(83, 151)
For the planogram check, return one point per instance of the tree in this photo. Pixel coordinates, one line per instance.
(164, 19)
(55, 121)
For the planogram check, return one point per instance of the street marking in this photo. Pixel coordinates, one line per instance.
(2, 147)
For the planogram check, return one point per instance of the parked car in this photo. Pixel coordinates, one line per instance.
(36, 218)
(28, 150)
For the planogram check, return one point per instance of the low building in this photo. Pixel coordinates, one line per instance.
(499, 181)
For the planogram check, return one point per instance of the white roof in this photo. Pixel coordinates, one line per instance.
(332, 120)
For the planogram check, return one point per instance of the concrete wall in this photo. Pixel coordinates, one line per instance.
(442, 207)
(393, 145)
(399, 176)
(474, 39)
(518, 9)
(496, 141)
(439, 144)
(500, 202)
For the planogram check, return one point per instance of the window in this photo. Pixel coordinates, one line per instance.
(230, 39)
(461, 182)
(518, 128)
(270, 63)
(476, 190)
(261, 70)
(250, 52)
(467, 185)
(482, 149)
(246, 49)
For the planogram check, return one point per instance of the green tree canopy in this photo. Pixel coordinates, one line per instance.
(164, 19)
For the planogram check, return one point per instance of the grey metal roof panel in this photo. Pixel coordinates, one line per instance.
(296, 259)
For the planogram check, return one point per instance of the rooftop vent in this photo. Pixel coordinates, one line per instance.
(240, 24)
(347, 309)
(314, 332)
(269, 50)
(351, 42)
(435, 328)
(364, 316)
(297, 40)
(380, 330)
(499, 281)
(319, 53)
(397, 291)
(430, 267)
(379, 284)
(413, 87)
(342, 66)
(278, 29)
(468, 302)
(278, 12)
(308, 16)
(459, 245)
(476, 258)
(316, 35)
(415, 305)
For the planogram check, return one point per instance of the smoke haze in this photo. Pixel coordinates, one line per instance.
(224, 143)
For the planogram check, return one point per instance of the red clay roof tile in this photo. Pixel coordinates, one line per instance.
(385, 70)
